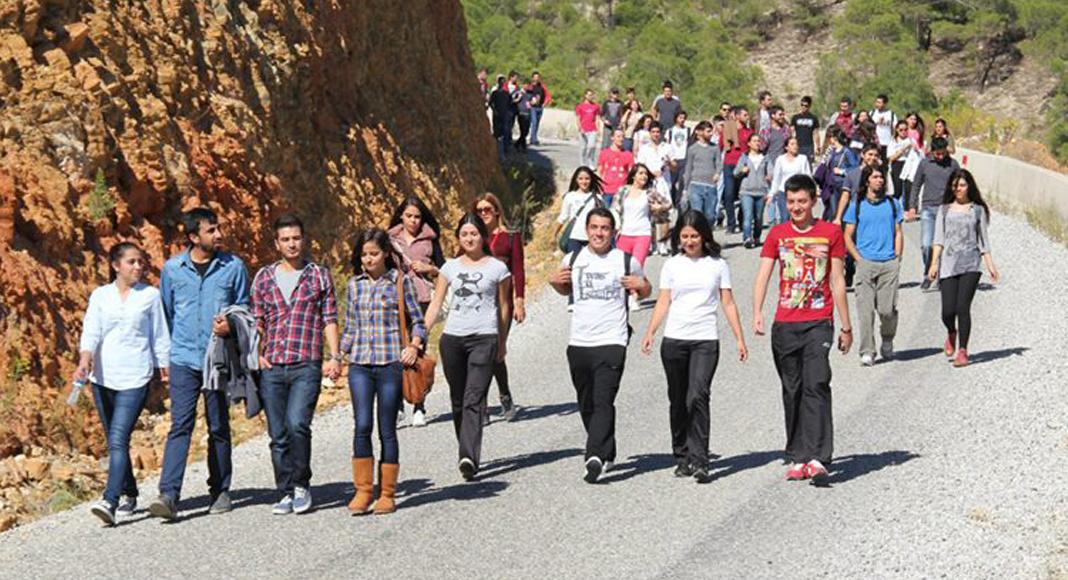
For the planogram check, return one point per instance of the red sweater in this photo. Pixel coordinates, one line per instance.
(508, 248)
(732, 155)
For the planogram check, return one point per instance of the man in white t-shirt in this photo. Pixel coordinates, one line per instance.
(657, 157)
(600, 278)
(884, 120)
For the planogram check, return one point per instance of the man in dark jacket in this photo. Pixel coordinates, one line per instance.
(928, 188)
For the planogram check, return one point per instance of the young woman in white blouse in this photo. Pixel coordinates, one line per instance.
(635, 205)
(693, 284)
(787, 165)
(124, 340)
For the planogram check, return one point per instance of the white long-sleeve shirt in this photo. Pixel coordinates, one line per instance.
(785, 169)
(128, 339)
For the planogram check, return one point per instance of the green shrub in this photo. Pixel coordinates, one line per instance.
(100, 203)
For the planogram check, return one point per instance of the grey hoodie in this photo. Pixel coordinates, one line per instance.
(755, 183)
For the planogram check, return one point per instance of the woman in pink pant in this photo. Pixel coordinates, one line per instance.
(635, 205)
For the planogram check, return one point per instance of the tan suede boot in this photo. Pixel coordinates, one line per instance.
(388, 484)
(363, 478)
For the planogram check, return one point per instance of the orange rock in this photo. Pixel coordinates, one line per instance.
(36, 468)
(76, 35)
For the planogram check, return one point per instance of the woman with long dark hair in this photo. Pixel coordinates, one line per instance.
(897, 152)
(124, 341)
(635, 205)
(507, 246)
(478, 286)
(961, 244)
(372, 343)
(694, 282)
(583, 194)
(941, 129)
(416, 238)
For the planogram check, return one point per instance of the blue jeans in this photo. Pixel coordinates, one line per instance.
(928, 215)
(535, 122)
(366, 382)
(778, 202)
(730, 195)
(703, 199)
(185, 392)
(118, 412)
(290, 393)
(752, 217)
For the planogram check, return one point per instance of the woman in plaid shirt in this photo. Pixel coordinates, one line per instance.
(372, 343)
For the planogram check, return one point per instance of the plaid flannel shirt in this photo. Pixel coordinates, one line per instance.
(293, 331)
(372, 321)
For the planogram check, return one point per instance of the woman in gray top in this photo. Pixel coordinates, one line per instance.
(961, 242)
(479, 287)
(755, 173)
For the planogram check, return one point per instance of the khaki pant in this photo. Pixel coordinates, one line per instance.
(876, 287)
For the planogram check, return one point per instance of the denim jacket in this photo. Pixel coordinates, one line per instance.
(190, 302)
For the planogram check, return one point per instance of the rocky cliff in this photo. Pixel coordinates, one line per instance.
(116, 116)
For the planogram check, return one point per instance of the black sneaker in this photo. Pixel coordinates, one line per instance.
(594, 467)
(468, 469)
(683, 470)
(925, 286)
(221, 504)
(164, 507)
(702, 474)
(509, 409)
(127, 506)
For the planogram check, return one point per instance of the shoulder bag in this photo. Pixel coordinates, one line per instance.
(565, 235)
(418, 379)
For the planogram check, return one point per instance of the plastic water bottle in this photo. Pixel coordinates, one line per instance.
(75, 391)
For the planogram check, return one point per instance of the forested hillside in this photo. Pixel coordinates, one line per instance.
(928, 54)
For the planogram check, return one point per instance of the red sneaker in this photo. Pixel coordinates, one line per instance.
(815, 470)
(796, 472)
(962, 358)
(951, 345)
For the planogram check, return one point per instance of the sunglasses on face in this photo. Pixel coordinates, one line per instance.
(485, 209)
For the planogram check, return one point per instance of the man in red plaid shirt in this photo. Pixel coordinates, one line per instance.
(294, 305)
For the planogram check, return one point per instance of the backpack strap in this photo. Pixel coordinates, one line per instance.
(571, 266)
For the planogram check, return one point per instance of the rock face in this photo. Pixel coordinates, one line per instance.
(251, 107)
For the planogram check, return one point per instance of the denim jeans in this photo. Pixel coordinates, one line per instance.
(289, 394)
(703, 199)
(118, 412)
(778, 202)
(535, 122)
(367, 382)
(590, 149)
(928, 215)
(752, 217)
(730, 195)
(185, 392)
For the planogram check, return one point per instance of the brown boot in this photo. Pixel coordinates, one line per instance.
(388, 483)
(363, 478)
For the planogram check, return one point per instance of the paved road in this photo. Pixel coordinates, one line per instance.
(941, 472)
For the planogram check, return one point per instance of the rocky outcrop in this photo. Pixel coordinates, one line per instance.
(251, 107)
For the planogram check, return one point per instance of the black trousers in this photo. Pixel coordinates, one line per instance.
(689, 366)
(801, 351)
(500, 372)
(596, 372)
(468, 364)
(957, 294)
(524, 130)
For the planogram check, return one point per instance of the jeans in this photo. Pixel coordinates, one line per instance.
(535, 122)
(185, 392)
(689, 366)
(703, 199)
(957, 294)
(118, 412)
(801, 352)
(628, 144)
(876, 286)
(290, 393)
(778, 202)
(366, 383)
(468, 364)
(730, 195)
(590, 150)
(928, 215)
(596, 372)
(752, 217)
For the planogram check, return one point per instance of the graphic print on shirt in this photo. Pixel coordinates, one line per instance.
(804, 268)
(468, 295)
(597, 285)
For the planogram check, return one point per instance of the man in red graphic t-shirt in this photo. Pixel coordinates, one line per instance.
(811, 256)
(613, 165)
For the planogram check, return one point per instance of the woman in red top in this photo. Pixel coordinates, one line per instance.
(506, 246)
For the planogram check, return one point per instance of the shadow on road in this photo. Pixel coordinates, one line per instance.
(326, 496)
(915, 354)
(500, 467)
(993, 355)
(849, 467)
(739, 463)
(637, 465)
(542, 411)
(459, 491)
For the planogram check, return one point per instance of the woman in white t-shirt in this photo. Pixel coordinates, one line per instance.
(583, 194)
(897, 154)
(787, 165)
(479, 287)
(693, 284)
(635, 205)
(641, 136)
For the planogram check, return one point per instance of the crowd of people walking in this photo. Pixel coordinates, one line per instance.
(647, 184)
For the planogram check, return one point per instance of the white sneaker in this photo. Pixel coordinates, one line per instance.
(418, 419)
(400, 418)
(283, 507)
(608, 465)
(886, 349)
(570, 307)
(867, 360)
(634, 304)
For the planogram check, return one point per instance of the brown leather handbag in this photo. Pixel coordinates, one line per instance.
(418, 378)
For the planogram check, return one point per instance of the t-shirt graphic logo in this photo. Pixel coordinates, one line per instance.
(468, 295)
(804, 263)
(597, 285)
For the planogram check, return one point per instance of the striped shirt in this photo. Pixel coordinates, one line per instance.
(293, 329)
(372, 321)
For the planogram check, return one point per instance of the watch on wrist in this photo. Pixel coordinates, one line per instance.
(336, 357)
(846, 331)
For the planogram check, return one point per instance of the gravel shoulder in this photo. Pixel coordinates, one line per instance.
(940, 472)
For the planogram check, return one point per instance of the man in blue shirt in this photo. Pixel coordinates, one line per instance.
(875, 221)
(196, 286)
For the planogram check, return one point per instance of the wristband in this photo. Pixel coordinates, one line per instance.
(846, 331)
